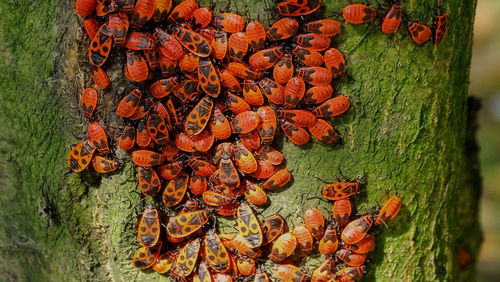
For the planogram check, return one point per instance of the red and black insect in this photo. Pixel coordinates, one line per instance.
(440, 26)
(420, 33)
(392, 20)
(358, 13)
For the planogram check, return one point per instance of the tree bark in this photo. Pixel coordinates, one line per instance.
(408, 133)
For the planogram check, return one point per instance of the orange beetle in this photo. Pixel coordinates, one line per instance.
(244, 158)
(163, 87)
(229, 22)
(143, 138)
(283, 70)
(100, 78)
(170, 171)
(324, 272)
(143, 12)
(356, 230)
(324, 131)
(147, 158)
(202, 17)
(420, 33)
(209, 80)
(283, 29)
(91, 26)
(153, 58)
(242, 71)
(219, 45)
(256, 35)
(254, 194)
(215, 252)
(81, 155)
(89, 102)
(142, 109)
(270, 155)
(315, 75)
(324, 27)
(188, 90)
(339, 190)
(252, 93)
(249, 226)
(184, 11)
(238, 46)
(139, 41)
(297, 135)
(197, 184)
(392, 20)
(146, 257)
(315, 222)
(358, 13)
(185, 142)
(100, 47)
(137, 68)
(363, 246)
(389, 210)
(104, 165)
(236, 104)
(333, 107)
(329, 242)
(167, 66)
(204, 141)
(302, 118)
(203, 275)
(260, 276)
(246, 266)
(266, 58)
(308, 57)
(208, 32)
(351, 258)
(201, 167)
(164, 262)
(264, 170)
(288, 272)
(313, 42)
(240, 244)
(157, 129)
(187, 257)
(85, 8)
(341, 211)
(198, 118)
(350, 274)
(189, 62)
(272, 228)
(304, 238)
(187, 223)
(298, 8)
(277, 180)
(149, 227)
(98, 136)
(129, 103)
(228, 80)
(251, 140)
(317, 94)
(245, 122)
(119, 24)
(193, 41)
(213, 198)
(219, 125)
(127, 139)
(149, 182)
(162, 7)
(335, 62)
(167, 45)
(274, 92)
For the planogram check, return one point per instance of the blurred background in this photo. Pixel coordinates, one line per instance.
(485, 84)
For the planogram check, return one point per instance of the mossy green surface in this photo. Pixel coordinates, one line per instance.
(405, 134)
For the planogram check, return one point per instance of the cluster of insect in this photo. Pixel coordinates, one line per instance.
(420, 33)
(212, 92)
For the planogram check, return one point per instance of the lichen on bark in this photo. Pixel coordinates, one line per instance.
(405, 134)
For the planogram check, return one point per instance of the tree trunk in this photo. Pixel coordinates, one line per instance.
(407, 133)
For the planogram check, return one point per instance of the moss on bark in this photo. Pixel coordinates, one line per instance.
(405, 134)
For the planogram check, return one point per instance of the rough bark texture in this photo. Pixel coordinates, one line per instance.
(406, 133)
